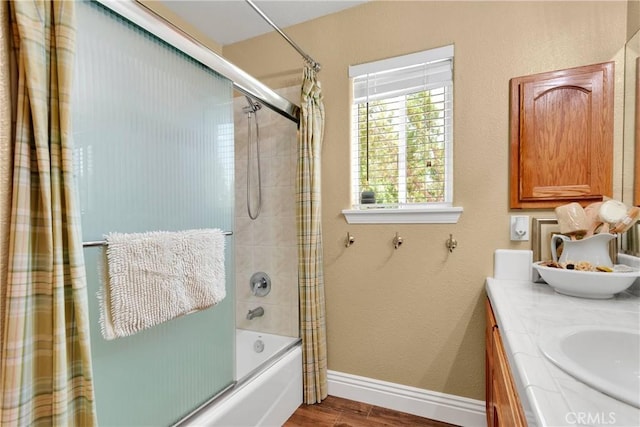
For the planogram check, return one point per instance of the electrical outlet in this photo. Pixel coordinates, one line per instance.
(519, 228)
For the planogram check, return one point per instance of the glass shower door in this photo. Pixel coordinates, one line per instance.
(153, 134)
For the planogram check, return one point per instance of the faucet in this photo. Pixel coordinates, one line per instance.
(256, 312)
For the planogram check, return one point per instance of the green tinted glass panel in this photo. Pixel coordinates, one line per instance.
(153, 136)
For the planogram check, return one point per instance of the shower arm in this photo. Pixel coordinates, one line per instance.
(316, 65)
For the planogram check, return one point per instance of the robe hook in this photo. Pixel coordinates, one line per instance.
(350, 240)
(451, 243)
(397, 241)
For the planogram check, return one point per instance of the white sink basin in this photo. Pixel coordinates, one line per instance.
(607, 359)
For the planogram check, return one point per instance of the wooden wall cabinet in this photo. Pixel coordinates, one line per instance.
(561, 137)
(503, 403)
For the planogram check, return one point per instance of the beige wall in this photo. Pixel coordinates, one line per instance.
(633, 17)
(414, 316)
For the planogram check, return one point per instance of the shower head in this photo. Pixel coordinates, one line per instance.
(252, 107)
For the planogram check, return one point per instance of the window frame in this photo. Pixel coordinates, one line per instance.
(436, 212)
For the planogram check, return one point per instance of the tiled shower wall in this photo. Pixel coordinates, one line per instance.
(268, 243)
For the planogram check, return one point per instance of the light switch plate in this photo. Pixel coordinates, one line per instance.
(519, 227)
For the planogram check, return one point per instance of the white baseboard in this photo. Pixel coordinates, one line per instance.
(449, 408)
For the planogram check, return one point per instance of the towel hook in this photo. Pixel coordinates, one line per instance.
(451, 243)
(397, 241)
(350, 240)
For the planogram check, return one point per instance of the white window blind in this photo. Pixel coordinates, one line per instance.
(402, 126)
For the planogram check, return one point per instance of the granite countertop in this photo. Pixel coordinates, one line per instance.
(527, 312)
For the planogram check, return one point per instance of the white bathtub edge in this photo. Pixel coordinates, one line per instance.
(267, 400)
(438, 406)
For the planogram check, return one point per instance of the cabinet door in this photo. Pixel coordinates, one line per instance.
(562, 137)
(508, 409)
(489, 362)
(503, 405)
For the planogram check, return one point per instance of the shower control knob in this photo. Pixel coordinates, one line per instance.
(260, 284)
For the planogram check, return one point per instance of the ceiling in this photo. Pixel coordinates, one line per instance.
(230, 21)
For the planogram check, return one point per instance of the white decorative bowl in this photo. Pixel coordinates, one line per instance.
(587, 284)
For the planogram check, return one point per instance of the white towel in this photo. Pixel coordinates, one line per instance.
(157, 276)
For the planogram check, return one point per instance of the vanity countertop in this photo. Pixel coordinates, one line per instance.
(526, 311)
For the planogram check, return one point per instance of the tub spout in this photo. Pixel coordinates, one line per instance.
(256, 312)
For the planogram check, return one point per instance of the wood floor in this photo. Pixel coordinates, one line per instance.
(338, 412)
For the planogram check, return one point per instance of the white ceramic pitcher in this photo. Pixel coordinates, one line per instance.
(594, 249)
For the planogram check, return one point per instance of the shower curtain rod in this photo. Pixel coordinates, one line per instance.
(248, 85)
(316, 65)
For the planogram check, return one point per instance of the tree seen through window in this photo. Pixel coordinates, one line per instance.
(401, 147)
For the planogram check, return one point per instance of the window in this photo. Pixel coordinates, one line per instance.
(402, 134)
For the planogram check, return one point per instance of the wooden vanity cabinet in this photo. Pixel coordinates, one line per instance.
(503, 404)
(561, 137)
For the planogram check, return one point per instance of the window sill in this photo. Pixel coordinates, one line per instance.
(446, 215)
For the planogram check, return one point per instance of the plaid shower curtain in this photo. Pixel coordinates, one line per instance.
(309, 224)
(45, 361)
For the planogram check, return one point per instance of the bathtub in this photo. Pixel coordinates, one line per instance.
(269, 385)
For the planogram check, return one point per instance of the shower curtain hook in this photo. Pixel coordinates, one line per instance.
(313, 64)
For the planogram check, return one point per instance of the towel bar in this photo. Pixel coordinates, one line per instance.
(104, 242)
